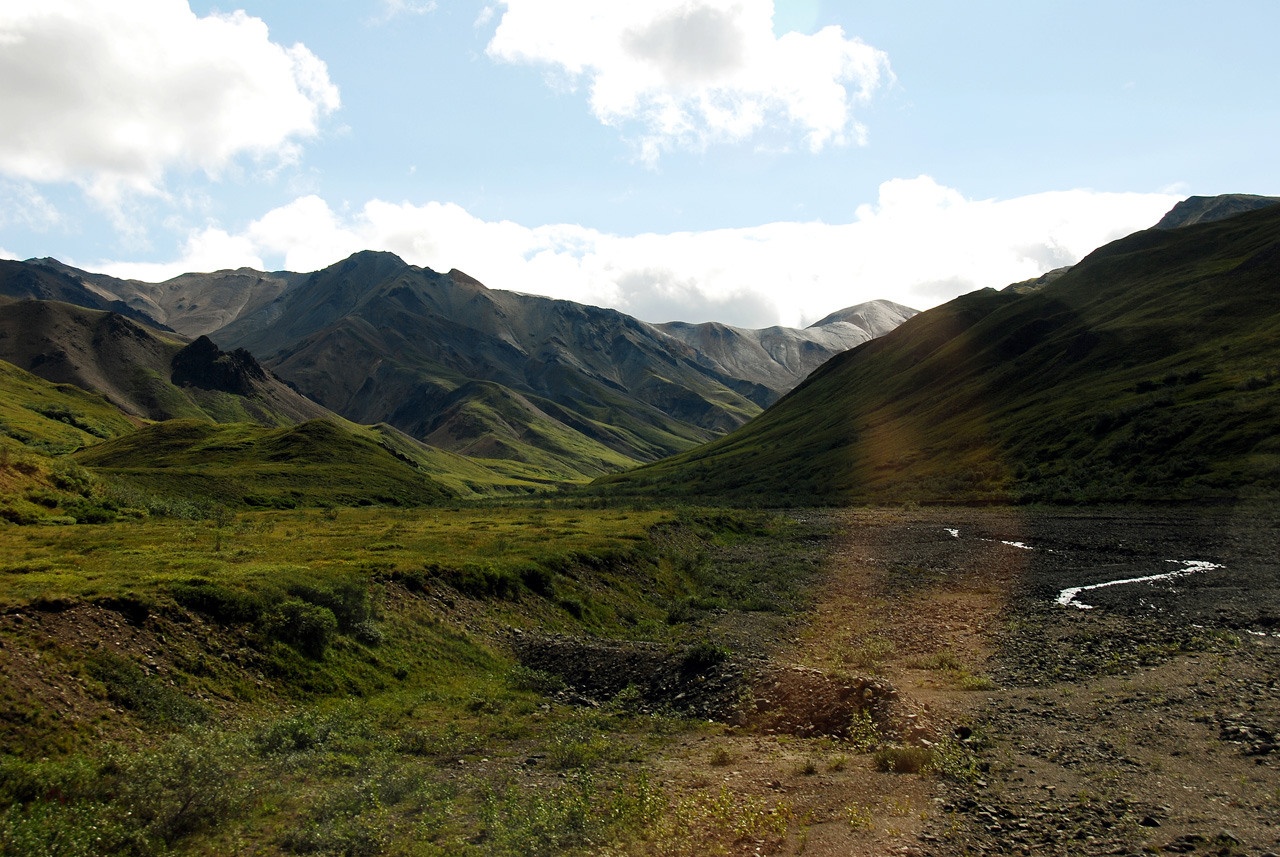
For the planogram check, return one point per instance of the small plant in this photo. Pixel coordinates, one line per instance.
(838, 764)
(863, 735)
(720, 757)
(521, 677)
(955, 760)
(576, 746)
(809, 768)
(903, 760)
(870, 654)
(703, 656)
(859, 817)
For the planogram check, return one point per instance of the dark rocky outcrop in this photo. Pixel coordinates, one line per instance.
(203, 364)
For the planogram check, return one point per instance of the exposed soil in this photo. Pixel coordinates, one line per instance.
(1147, 724)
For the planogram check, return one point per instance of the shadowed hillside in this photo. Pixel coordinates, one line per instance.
(1145, 373)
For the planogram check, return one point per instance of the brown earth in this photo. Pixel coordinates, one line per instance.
(1147, 724)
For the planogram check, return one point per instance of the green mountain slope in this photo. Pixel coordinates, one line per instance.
(315, 463)
(54, 418)
(1144, 373)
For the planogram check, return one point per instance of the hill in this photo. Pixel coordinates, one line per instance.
(1146, 372)
(579, 389)
(1206, 209)
(315, 463)
(191, 304)
(553, 390)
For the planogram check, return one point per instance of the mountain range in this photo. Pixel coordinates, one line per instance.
(542, 391)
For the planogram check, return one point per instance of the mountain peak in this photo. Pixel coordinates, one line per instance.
(464, 279)
(381, 255)
(1207, 209)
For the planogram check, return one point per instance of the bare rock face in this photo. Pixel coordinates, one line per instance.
(203, 364)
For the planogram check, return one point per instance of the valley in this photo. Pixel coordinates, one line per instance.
(1000, 577)
(818, 682)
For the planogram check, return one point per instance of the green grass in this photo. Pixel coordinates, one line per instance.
(1147, 373)
(243, 465)
(334, 681)
(54, 418)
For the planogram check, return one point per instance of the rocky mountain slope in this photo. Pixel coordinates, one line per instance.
(1206, 209)
(781, 357)
(1146, 372)
(192, 304)
(144, 372)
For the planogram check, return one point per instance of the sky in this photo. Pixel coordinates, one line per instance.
(754, 162)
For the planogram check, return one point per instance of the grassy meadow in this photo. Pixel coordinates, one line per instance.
(338, 680)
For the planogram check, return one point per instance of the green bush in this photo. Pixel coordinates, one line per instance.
(538, 580)
(53, 829)
(307, 627)
(526, 678)
(220, 603)
(188, 784)
(129, 687)
(347, 600)
(478, 580)
(703, 656)
(88, 512)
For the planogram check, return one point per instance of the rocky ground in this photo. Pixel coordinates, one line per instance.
(1130, 718)
(1144, 724)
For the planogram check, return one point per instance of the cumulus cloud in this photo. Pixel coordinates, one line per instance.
(210, 249)
(919, 244)
(691, 73)
(113, 95)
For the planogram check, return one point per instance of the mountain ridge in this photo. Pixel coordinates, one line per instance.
(1146, 372)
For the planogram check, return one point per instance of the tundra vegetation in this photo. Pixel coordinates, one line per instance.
(189, 679)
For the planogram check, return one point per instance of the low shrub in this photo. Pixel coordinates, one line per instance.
(307, 627)
(902, 760)
(702, 656)
(219, 602)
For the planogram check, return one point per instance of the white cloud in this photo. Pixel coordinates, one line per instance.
(696, 72)
(112, 95)
(5, 254)
(392, 8)
(210, 249)
(21, 203)
(920, 244)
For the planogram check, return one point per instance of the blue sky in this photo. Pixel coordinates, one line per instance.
(737, 160)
